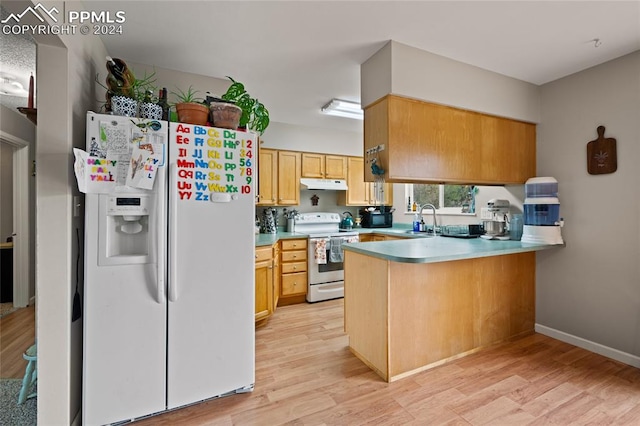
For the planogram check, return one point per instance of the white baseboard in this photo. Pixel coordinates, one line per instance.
(623, 357)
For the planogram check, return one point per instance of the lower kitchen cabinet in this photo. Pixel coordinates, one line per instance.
(264, 303)
(379, 237)
(404, 318)
(293, 264)
(277, 279)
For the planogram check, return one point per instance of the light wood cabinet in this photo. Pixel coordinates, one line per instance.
(379, 237)
(263, 283)
(364, 238)
(324, 166)
(359, 192)
(335, 167)
(384, 197)
(289, 172)
(277, 279)
(441, 310)
(267, 177)
(425, 142)
(293, 264)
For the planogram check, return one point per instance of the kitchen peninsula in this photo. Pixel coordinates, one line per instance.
(414, 304)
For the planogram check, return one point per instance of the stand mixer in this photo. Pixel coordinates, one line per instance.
(496, 228)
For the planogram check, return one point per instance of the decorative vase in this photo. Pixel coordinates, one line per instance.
(150, 110)
(122, 105)
(192, 113)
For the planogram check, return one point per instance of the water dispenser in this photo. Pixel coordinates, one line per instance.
(125, 229)
(542, 221)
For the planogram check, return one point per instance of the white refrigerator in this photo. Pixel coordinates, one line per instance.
(168, 276)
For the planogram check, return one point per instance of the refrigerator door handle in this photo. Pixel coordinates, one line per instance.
(160, 247)
(173, 226)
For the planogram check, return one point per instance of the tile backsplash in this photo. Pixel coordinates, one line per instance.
(327, 202)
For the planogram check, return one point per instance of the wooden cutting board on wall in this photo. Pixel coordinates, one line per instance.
(601, 154)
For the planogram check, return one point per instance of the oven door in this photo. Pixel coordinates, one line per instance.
(323, 272)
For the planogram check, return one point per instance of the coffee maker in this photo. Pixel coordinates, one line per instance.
(495, 227)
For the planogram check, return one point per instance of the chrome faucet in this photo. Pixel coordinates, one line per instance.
(435, 220)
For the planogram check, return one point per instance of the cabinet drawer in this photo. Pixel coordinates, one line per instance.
(294, 244)
(263, 253)
(288, 268)
(294, 256)
(294, 283)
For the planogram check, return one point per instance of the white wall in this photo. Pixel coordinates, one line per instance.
(590, 289)
(312, 139)
(423, 75)
(174, 81)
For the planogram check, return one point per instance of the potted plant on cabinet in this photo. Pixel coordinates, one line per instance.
(189, 108)
(144, 93)
(255, 115)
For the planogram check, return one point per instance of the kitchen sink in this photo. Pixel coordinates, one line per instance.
(423, 233)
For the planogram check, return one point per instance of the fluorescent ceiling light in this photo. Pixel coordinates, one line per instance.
(343, 109)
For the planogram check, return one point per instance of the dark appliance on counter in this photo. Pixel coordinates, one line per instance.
(377, 217)
(462, 231)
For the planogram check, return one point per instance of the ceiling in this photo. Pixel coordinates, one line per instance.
(17, 63)
(297, 55)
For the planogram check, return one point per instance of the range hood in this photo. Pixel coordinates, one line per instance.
(335, 184)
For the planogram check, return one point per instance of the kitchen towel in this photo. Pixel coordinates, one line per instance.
(336, 255)
(321, 252)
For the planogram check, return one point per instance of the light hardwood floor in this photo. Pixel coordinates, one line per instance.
(17, 333)
(305, 375)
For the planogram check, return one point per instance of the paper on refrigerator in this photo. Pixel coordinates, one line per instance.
(119, 156)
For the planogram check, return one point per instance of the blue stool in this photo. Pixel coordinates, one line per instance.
(30, 374)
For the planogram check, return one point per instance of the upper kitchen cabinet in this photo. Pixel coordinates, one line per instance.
(267, 177)
(425, 142)
(323, 166)
(359, 192)
(289, 172)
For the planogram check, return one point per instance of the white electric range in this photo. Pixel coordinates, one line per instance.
(325, 254)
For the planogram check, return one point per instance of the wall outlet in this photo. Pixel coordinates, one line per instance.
(485, 214)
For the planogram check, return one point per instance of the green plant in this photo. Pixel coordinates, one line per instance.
(142, 90)
(255, 115)
(187, 97)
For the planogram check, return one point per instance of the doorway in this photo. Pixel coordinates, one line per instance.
(22, 229)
